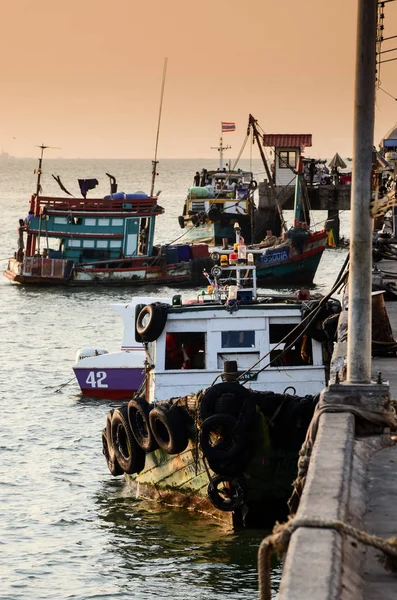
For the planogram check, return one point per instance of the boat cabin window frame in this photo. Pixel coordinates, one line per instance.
(287, 159)
(90, 222)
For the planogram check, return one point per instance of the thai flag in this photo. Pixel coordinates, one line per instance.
(226, 126)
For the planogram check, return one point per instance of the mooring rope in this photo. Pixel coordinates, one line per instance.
(278, 542)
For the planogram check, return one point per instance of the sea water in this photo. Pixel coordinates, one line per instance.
(68, 529)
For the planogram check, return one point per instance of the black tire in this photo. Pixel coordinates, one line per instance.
(138, 418)
(227, 498)
(130, 456)
(220, 438)
(169, 429)
(181, 222)
(151, 321)
(231, 398)
(111, 460)
(138, 308)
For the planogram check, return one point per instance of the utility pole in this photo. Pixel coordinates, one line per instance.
(360, 275)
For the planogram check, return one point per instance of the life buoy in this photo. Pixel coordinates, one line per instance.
(227, 498)
(169, 429)
(138, 308)
(151, 321)
(220, 437)
(138, 418)
(108, 452)
(130, 456)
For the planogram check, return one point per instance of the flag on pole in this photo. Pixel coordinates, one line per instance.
(227, 126)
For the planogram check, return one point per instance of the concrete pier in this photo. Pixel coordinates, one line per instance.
(352, 477)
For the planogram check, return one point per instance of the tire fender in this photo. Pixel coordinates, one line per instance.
(232, 496)
(130, 456)
(169, 429)
(151, 321)
(138, 418)
(220, 439)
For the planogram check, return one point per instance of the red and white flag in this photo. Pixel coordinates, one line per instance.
(227, 126)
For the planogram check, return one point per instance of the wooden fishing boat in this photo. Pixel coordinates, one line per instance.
(228, 449)
(223, 199)
(110, 240)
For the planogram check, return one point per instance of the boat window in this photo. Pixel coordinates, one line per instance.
(60, 220)
(90, 221)
(74, 244)
(287, 159)
(115, 244)
(299, 351)
(185, 350)
(117, 222)
(88, 244)
(238, 339)
(102, 244)
(103, 222)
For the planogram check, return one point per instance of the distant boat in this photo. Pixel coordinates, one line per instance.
(222, 201)
(91, 241)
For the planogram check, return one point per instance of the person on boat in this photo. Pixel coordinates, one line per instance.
(29, 217)
(20, 241)
(196, 180)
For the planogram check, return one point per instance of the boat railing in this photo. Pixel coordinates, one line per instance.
(144, 205)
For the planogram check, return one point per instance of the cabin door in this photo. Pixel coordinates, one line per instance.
(131, 237)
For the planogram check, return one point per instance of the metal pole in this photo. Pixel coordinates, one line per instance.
(360, 278)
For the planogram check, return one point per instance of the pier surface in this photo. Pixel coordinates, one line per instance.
(352, 478)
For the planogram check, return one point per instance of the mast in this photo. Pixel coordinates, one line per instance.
(155, 161)
(298, 192)
(38, 170)
(220, 149)
(252, 125)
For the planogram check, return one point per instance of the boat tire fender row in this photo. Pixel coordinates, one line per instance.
(129, 454)
(151, 321)
(138, 418)
(169, 429)
(230, 498)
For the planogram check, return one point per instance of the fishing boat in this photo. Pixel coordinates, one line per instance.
(110, 240)
(231, 383)
(222, 200)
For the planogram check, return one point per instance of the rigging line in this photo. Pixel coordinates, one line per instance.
(391, 96)
(154, 162)
(307, 320)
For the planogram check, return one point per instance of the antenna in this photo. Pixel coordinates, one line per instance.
(155, 161)
(38, 170)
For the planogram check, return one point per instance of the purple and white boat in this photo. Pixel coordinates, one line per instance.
(114, 375)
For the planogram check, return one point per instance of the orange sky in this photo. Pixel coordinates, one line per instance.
(85, 75)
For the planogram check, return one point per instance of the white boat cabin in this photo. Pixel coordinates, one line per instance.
(197, 339)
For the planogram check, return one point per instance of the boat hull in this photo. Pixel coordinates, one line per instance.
(112, 383)
(181, 480)
(185, 273)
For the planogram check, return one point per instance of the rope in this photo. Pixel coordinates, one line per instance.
(278, 542)
(380, 417)
(64, 384)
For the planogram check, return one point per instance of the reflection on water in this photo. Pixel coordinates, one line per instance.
(158, 545)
